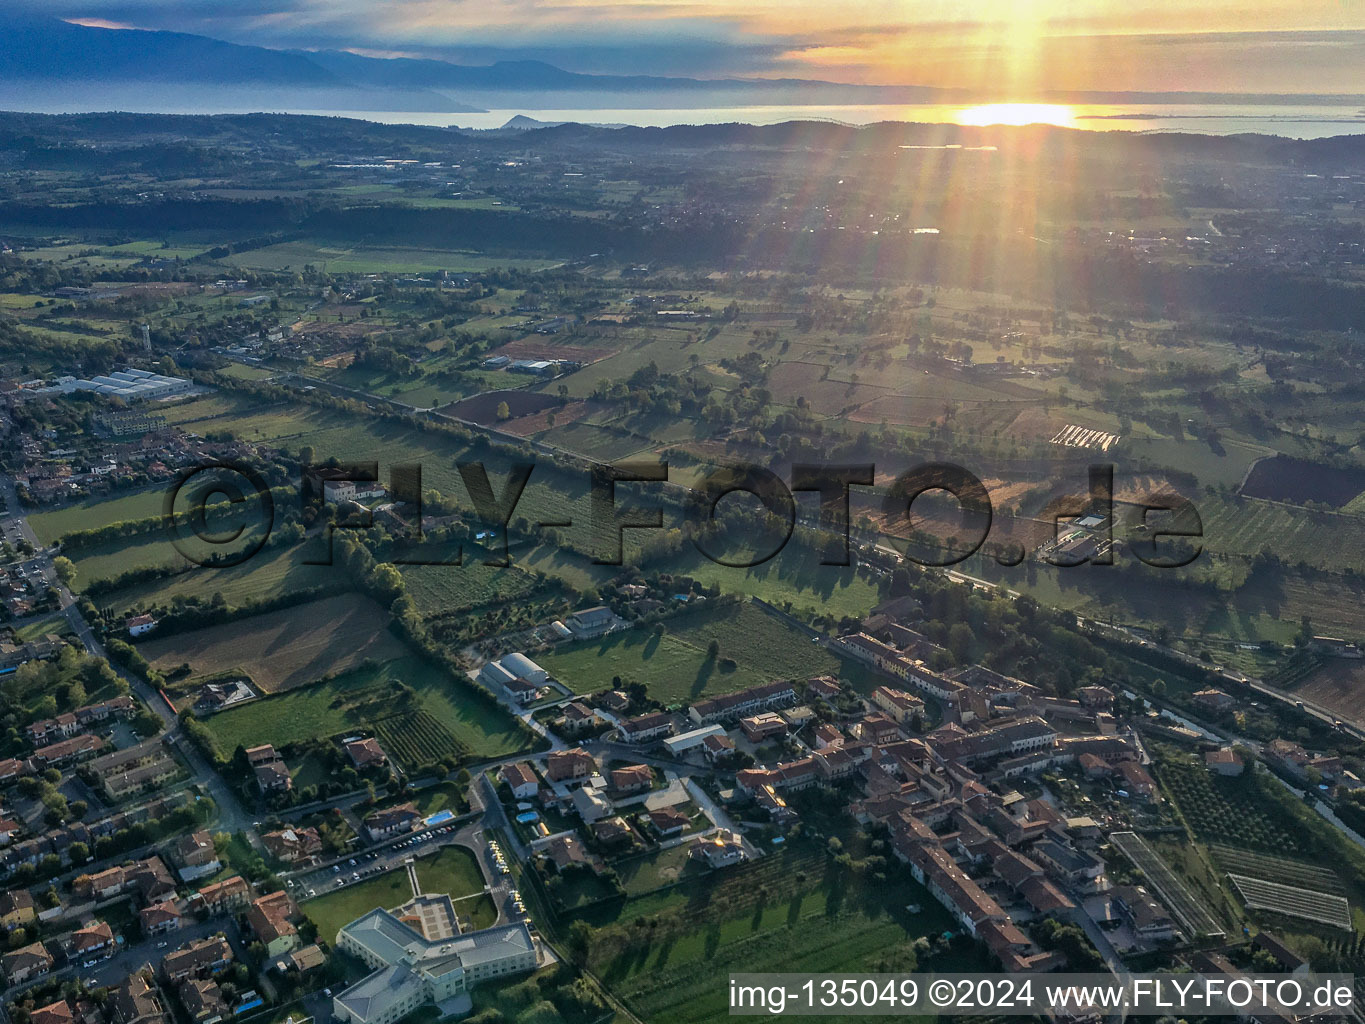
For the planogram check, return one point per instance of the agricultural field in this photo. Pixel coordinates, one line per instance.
(442, 589)
(287, 648)
(676, 667)
(784, 913)
(471, 725)
(373, 260)
(1293, 901)
(1336, 684)
(91, 513)
(272, 571)
(1230, 811)
(1194, 917)
(793, 579)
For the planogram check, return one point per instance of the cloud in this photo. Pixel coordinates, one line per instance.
(1014, 45)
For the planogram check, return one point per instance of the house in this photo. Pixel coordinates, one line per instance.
(520, 691)
(118, 784)
(731, 706)
(274, 777)
(198, 959)
(643, 728)
(521, 778)
(668, 821)
(614, 701)
(271, 919)
(1070, 865)
(65, 752)
(720, 849)
(135, 1002)
(1136, 780)
(632, 779)
(220, 897)
(391, 821)
(1145, 916)
(27, 962)
(717, 749)
(272, 774)
(1094, 767)
(577, 717)
(151, 880)
(365, 754)
(308, 958)
(1212, 700)
(203, 1001)
(16, 908)
(592, 622)
(613, 833)
(294, 845)
(827, 735)
(573, 765)
(591, 804)
(757, 728)
(824, 687)
(59, 1012)
(140, 624)
(95, 941)
(566, 851)
(877, 729)
(196, 855)
(1224, 761)
(899, 705)
(160, 917)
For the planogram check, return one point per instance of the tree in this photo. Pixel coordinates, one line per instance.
(65, 568)
(503, 412)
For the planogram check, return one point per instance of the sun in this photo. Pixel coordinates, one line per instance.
(1018, 114)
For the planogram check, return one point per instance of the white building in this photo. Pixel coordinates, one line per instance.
(411, 970)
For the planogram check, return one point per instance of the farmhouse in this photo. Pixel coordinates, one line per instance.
(1224, 761)
(365, 754)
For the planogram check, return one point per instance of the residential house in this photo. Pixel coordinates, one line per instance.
(577, 717)
(668, 822)
(26, 962)
(575, 765)
(1146, 917)
(59, 1012)
(140, 624)
(732, 706)
(720, 849)
(1137, 782)
(222, 897)
(160, 917)
(391, 821)
(1224, 761)
(16, 908)
(632, 779)
(135, 1002)
(900, 705)
(65, 752)
(294, 846)
(366, 753)
(643, 728)
(196, 855)
(94, 941)
(760, 727)
(203, 1001)
(271, 919)
(1212, 700)
(522, 780)
(198, 959)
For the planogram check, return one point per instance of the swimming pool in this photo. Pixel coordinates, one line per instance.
(527, 817)
(441, 817)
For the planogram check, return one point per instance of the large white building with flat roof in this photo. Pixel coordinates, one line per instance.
(412, 970)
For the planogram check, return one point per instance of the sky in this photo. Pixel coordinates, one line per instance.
(1013, 49)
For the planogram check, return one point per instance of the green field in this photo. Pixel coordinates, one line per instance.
(451, 871)
(364, 260)
(96, 512)
(676, 666)
(347, 702)
(788, 912)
